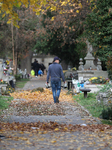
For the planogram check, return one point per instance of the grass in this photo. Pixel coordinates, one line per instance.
(109, 122)
(91, 104)
(21, 83)
(5, 102)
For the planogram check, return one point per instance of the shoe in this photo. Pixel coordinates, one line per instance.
(36, 76)
(57, 99)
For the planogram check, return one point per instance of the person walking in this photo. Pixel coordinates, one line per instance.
(55, 71)
(36, 67)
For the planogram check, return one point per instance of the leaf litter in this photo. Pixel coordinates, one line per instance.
(51, 134)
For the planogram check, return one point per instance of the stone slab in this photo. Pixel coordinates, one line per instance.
(93, 87)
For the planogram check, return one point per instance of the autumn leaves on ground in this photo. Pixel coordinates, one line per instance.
(38, 102)
(49, 135)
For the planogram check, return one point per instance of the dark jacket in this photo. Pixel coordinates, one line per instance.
(36, 65)
(56, 72)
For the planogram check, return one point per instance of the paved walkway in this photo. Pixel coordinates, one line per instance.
(74, 115)
(43, 140)
(35, 83)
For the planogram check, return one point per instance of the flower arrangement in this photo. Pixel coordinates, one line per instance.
(3, 82)
(98, 80)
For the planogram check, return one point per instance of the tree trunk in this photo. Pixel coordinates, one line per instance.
(16, 49)
(13, 48)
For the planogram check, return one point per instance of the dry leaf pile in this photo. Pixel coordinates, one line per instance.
(38, 103)
(45, 96)
(53, 126)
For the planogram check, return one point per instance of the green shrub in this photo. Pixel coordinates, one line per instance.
(105, 88)
(107, 113)
(18, 76)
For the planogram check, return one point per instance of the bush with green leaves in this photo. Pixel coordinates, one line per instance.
(106, 88)
(107, 113)
(107, 109)
(18, 76)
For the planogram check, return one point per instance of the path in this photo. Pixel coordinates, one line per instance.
(57, 138)
(73, 115)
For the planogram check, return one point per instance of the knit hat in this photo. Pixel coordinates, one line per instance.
(57, 58)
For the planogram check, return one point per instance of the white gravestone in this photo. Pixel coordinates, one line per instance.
(2, 76)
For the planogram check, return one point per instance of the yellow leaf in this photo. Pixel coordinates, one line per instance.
(26, 5)
(53, 141)
(44, 2)
(37, 13)
(66, 128)
(77, 11)
(9, 21)
(21, 132)
(48, 7)
(61, 12)
(63, 3)
(52, 19)
(56, 129)
(17, 26)
(80, 5)
(19, 4)
(3, 15)
(7, 12)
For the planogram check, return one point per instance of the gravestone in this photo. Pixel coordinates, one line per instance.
(2, 76)
(89, 69)
(89, 58)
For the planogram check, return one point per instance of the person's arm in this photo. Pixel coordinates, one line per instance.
(48, 74)
(62, 75)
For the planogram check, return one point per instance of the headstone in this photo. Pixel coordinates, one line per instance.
(2, 76)
(89, 58)
(90, 69)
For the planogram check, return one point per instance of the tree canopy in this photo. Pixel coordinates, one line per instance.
(8, 7)
(99, 28)
(59, 33)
